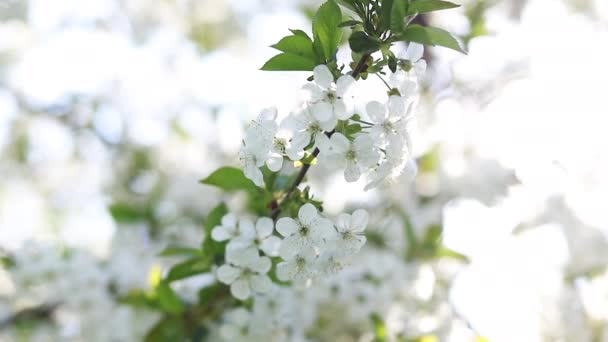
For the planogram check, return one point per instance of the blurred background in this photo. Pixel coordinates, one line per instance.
(112, 110)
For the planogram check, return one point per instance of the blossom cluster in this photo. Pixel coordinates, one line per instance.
(307, 247)
(381, 149)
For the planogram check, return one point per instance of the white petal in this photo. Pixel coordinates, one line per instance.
(323, 76)
(229, 332)
(260, 265)
(344, 85)
(307, 214)
(229, 220)
(246, 228)
(359, 220)
(268, 114)
(376, 111)
(240, 317)
(314, 92)
(275, 162)
(341, 110)
(352, 173)
(227, 274)
(420, 68)
(324, 228)
(260, 283)
(290, 247)
(343, 223)
(240, 289)
(396, 106)
(286, 271)
(329, 125)
(264, 227)
(323, 143)
(322, 111)
(255, 175)
(220, 233)
(339, 143)
(414, 52)
(270, 245)
(286, 226)
(241, 256)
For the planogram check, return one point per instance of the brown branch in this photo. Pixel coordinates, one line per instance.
(359, 68)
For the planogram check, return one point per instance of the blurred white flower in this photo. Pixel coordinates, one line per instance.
(245, 273)
(330, 100)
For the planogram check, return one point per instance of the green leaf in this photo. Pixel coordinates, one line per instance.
(289, 62)
(350, 4)
(214, 249)
(398, 15)
(350, 23)
(444, 252)
(189, 268)
(360, 42)
(432, 36)
(168, 300)
(297, 45)
(325, 29)
(184, 251)
(167, 329)
(300, 33)
(230, 179)
(379, 328)
(385, 15)
(425, 6)
(123, 212)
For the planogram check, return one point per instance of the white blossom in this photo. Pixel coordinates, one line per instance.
(245, 272)
(350, 228)
(236, 325)
(300, 267)
(412, 60)
(356, 157)
(330, 99)
(305, 232)
(232, 229)
(389, 119)
(262, 238)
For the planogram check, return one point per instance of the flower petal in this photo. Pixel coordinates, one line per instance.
(227, 274)
(287, 226)
(240, 289)
(359, 221)
(260, 283)
(323, 76)
(352, 173)
(268, 114)
(414, 52)
(322, 111)
(344, 85)
(396, 106)
(270, 246)
(307, 214)
(246, 228)
(338, 143)
(275, 162)
(220, 233)
(376, 111)
(341, 110)
(260, 265)
(286, 271)
(264, 227)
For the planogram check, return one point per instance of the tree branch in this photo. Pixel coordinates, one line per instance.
(359, 68)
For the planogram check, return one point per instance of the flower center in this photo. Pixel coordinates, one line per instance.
(304, 231)
(351, 155)
(300, 263)
(331, 96)
(280, 144)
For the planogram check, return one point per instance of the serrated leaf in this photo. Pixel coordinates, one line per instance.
(230, 179)
(327, 34)
(289, 62)
(425, 6)
(297, 45)
(300, 33)
(168, 300)
(360, 42)
(432, 36)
